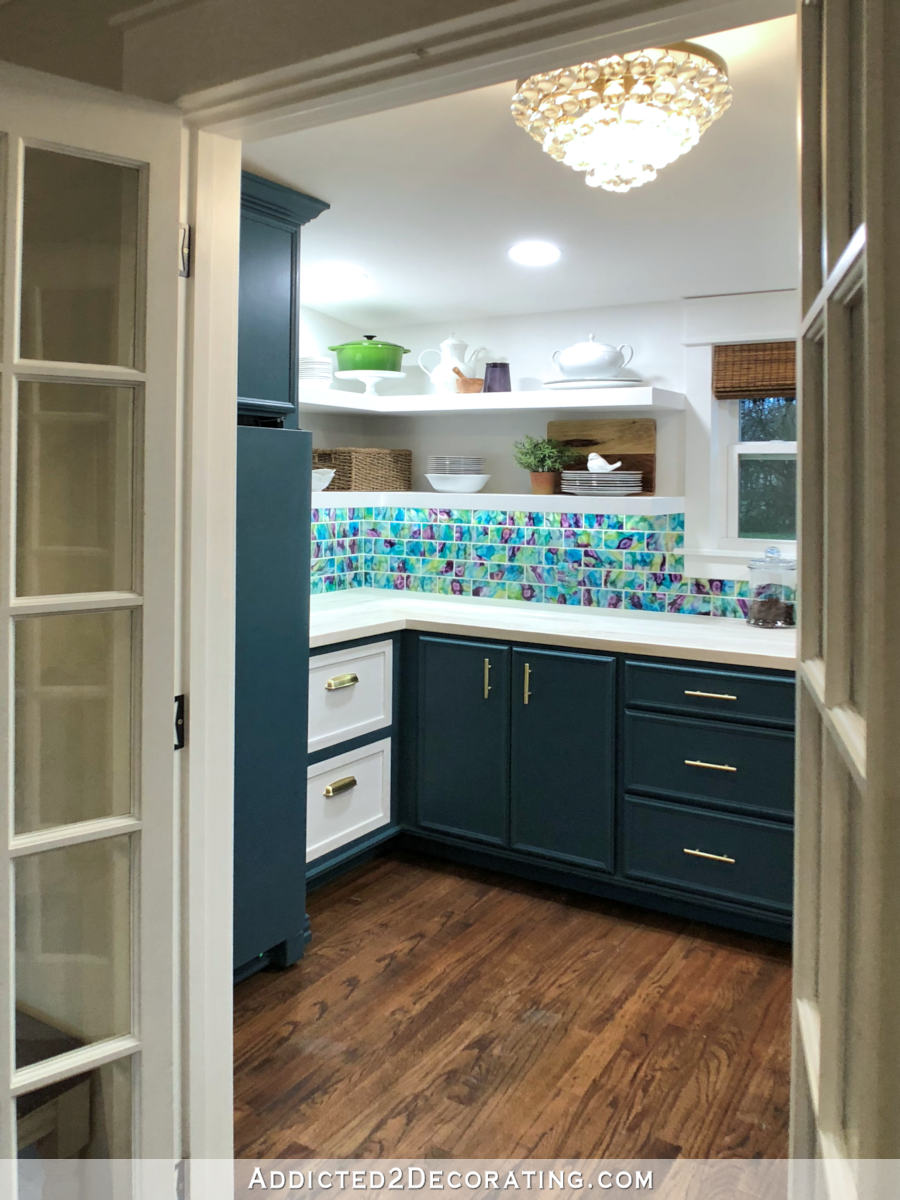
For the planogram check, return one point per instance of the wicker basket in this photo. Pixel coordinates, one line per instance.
(366, 468)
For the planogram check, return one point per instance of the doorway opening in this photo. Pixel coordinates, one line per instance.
(432, 1000)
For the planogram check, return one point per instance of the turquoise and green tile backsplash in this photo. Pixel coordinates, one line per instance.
(601, 560)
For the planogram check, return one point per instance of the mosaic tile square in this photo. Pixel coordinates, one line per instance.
(485, 552)
(454, 587)
(492, 591)
(624, 541)
(730, 606)
(639, 521)
(666, 581)
(644, 560)
(623, 581)
(506, 535)
(615, 559)
(602, 521)
(646, 601)
(507, 572)
(601, 598)
(694, 605)
(526, 555)
(525, 591)
(548, 536)
(562, 595)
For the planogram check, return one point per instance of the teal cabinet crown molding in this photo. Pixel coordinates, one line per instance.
(269, 297)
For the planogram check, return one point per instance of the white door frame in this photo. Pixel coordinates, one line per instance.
(366, 79)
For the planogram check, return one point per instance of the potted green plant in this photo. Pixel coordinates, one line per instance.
(544, 458)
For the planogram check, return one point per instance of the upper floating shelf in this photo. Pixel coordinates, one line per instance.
(646, 400)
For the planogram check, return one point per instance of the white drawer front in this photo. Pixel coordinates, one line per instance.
(354, 808)
(339, 708)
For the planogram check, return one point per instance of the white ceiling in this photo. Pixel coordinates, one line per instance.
(428, 198)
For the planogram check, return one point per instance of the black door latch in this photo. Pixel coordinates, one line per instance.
(179, 722)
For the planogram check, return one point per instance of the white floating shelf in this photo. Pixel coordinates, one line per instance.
(649, 506)
(647, 400)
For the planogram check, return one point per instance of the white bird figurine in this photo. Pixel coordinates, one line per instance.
(597, 463)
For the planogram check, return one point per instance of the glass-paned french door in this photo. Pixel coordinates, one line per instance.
(846, 1086)
(89, 396)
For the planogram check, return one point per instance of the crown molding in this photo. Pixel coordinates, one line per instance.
(502, 42)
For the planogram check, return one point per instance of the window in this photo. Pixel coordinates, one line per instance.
(762, 468)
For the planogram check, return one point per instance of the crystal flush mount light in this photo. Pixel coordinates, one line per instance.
(622, 119)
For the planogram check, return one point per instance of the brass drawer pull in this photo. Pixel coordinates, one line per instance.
(336, 682)
(487, 678)
(710, 695)
(724, 858)
(526, 689)
(340, 785)
(696, 762)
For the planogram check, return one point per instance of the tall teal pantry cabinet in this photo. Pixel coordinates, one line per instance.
(272, 587)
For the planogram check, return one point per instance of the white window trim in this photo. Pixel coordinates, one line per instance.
(727, 449)
(732, 539)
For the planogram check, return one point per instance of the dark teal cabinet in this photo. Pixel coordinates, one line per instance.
(562, 765)
(271, 656)
(654, 782)
(269, 297)
(463, 743)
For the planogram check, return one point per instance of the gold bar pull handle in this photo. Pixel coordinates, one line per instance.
(487, 678)
(710, 695)
(722, 858)
(697, 762)
(340, 785)
(526, 687)
(336, 682)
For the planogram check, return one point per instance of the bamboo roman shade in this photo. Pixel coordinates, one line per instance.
(754, 370)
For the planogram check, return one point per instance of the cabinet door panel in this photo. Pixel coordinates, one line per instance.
(464, 738)
(563, 762)
(267, 315)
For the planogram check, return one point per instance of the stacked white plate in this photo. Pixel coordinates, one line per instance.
(455, 464)
(602, 483)
(314, 372)
(456, 473)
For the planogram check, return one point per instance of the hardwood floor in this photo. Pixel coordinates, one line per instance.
(446, 1012)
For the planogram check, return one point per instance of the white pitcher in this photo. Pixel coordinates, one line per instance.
(453, 352)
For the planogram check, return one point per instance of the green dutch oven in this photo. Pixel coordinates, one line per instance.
(369, 355)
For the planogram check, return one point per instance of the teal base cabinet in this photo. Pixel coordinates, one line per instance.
(463, 738)
(562, 764)
(654, 782)
(515, 748)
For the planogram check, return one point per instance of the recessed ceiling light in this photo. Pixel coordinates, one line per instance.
(534, 253)
(331, 281)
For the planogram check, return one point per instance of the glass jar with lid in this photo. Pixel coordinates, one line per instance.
(773, 590)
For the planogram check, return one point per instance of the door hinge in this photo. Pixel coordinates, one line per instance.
(185, 244)
(180, 723)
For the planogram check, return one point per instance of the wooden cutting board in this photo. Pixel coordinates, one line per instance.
(631, 439)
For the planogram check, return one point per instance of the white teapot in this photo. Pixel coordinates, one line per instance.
(592, 359)
(453, 352)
